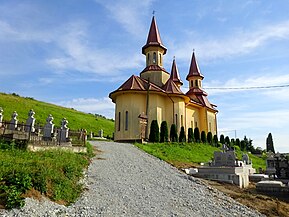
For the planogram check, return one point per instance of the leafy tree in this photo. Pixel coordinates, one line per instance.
(182, 137)
(215, 140)
(203, 137)
(173, 133)
(154, 132)
(209, 137)
(190, 135)
(222, 139)
(269, 143)
(197, 134)
(164, 135)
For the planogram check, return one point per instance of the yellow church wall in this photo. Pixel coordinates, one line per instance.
(212, 122)
(193, 117)
(157, 77)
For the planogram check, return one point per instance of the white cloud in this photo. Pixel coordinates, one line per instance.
(103, 106)
(239, 42)
(128, 13)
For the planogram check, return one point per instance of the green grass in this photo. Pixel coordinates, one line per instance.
(54, 174)
(77, 120)
(186, 154)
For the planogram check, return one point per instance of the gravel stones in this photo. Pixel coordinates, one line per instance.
(129, 182)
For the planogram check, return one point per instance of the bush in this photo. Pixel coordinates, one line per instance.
(164, 135)
(197, 134)
(215, 140)
(173, 133)
(227, 141)
(154, 132)
(182, 137)
(222, 139)
(210, 138)
(190, 135)
(203, 137)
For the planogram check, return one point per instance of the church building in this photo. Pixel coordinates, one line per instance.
(156, 95)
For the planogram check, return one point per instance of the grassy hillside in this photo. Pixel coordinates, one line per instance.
(183, 155)
(76, 119)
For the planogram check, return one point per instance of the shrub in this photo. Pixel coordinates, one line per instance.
(222, 139)
(164, 135)
(182, 137)
(197, 134)
(154, 132)
(227, 140)
(173, 133)
(237, 143)
(190, 135)
(209, 137)
(203, 137)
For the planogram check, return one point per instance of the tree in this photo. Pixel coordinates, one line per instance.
(269, 143)
(173, 133)
(209, 137)
(164, 135)
(227, 140)
(243, 145)
(154, 132)
(222, 139)
(238, 142)
(232, 142)
(197, 134)
(190, 135)
(203, 137)
(215, 140)
(182, 137)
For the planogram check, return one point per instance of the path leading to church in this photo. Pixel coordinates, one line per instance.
(125, 181)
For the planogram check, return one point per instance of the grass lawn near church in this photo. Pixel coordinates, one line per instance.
(184, 155)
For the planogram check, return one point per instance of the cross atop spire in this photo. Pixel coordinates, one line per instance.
(194, 68)
(154, 38)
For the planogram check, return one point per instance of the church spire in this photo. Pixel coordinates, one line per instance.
(175, 77)
(154, 38)
(194, 69)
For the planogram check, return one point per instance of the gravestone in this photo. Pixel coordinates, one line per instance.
(30, 122)
(224, 159)
(1, 116)
(13, 122)
(100, 133)
(63, 134)
(48, 128)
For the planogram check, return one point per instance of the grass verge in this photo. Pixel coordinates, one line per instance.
(54, 174)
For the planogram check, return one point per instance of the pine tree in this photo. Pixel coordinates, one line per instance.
(222, 139)
(210, 138)
(238, 142)
(227, 141)
(182, 137)
(164, 135)
(173, 133)
(269, 143)
(215, 140)
(190, 135)
(154, 132)
(197, 134)
(203, 137)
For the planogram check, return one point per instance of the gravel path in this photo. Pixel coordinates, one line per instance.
(129, 182)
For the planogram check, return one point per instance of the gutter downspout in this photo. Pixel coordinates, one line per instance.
(147, 109)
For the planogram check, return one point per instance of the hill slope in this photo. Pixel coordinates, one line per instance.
(76, 119)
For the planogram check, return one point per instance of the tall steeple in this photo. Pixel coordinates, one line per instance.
(154, 51)
(194, 77)
(175, 77)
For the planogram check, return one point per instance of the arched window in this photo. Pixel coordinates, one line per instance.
(119, 121)
(196, 82)
(160, 56)
(126, 120)
(192, 83)
(182, 121)
(148, 61)
(154, 58)
(177, 121)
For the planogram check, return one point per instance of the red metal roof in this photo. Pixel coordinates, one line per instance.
(171, 87)
(175, 74)
(194, 68)
(154, 68)
(154, 38)
(198, 95)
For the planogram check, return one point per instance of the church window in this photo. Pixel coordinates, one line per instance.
(196, 124)
(148, 58)
(160, 59)
(182, 121)
(192, 83)
(196, 82)
(177, 121)
(154, 57)
(126, 120)
(192, 124)
(119, 121)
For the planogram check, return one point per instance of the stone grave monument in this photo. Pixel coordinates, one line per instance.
(30, 122)
(1, 116)
(63, 133)
(100, 133)
(48, 128)
(13, 122)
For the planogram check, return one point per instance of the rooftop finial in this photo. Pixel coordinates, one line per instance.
(174, 57)
(154, 12)
(194, 50)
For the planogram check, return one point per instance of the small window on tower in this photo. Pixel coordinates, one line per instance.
(192, 83)
(196, 82)
(126, 120)
(160, 59)
(154, 58)
(148, 58)
(119, 121)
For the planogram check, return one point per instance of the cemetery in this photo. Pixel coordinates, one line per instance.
(42, 137)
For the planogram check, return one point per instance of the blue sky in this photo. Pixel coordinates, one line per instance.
(75, 52)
